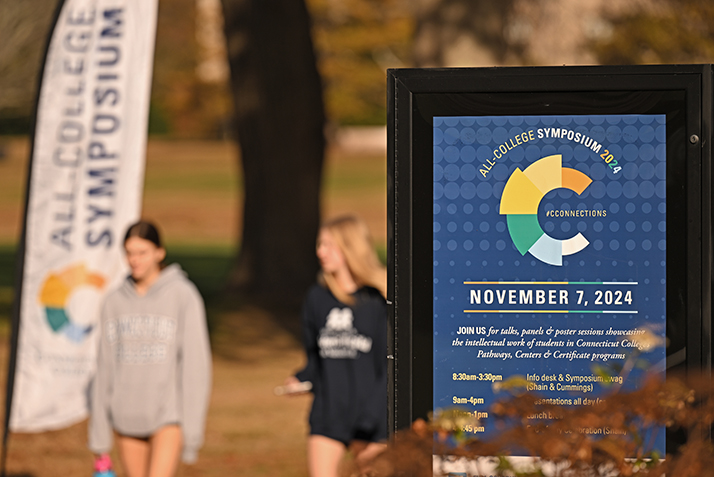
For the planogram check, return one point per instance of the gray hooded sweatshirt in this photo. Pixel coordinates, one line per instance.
(154, 363)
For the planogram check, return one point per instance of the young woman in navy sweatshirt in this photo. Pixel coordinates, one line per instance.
(345, 335)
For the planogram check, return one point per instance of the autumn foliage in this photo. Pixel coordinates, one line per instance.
(562, 442)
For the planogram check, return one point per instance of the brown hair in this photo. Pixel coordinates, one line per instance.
(355, 242)
(144, 230)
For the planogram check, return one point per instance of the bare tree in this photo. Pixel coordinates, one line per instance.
(279, 121)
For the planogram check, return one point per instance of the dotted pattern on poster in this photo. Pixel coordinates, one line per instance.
(621, 214)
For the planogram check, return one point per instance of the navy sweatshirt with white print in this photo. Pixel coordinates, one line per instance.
(346, 350)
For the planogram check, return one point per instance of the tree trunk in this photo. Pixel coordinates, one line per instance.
(279, 121)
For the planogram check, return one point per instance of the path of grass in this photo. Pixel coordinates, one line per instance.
(192, 191)
(249, 431)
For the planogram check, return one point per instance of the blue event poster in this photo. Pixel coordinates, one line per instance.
(549, 241)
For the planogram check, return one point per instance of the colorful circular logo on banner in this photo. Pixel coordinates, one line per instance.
(55, 294)
(519, 203)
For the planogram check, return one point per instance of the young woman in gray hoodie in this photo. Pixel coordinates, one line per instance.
(154, 364)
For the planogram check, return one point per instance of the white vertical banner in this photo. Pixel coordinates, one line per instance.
(85, 186)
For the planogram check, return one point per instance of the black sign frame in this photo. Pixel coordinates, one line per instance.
(415, 96)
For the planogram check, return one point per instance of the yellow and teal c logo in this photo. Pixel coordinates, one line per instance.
(519, 203)
(55, 293)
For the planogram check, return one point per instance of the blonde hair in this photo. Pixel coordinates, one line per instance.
(355, 242)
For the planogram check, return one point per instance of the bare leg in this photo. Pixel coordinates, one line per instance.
(166, 444)
(134, 455)
(324, 456)
(364, 452)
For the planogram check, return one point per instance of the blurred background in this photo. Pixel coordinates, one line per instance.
(332, 55)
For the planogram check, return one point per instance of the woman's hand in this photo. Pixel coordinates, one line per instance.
(292, 386)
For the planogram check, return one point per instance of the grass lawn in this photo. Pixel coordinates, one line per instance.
(193, 190)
